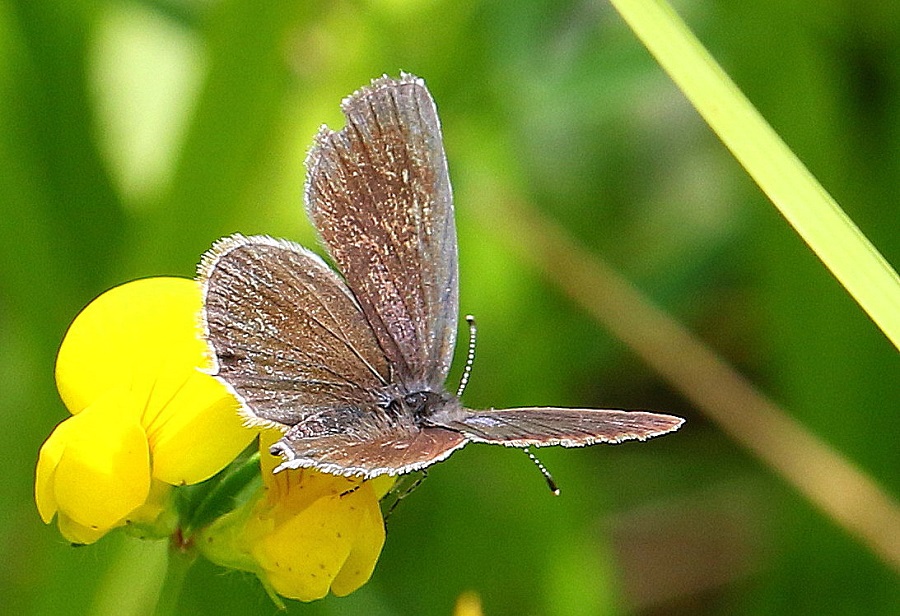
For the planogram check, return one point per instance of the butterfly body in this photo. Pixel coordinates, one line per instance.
(351, 367)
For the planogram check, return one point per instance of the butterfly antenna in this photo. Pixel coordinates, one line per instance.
(551, 483)
(470, 356)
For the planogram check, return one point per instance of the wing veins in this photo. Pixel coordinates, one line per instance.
(347, 343)
(377, 254)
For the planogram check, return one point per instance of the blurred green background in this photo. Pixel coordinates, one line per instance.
(133, 134)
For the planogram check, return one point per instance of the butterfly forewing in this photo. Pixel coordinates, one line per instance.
(287, 336)
(379, 194)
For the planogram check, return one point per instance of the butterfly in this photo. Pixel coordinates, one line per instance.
(351, 366)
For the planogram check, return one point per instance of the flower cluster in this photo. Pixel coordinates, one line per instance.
(307, 531)
(146, 419)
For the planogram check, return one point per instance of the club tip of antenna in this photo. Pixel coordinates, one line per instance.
(553, 487)
(551, 483)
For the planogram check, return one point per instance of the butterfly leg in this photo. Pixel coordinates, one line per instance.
(403, 488)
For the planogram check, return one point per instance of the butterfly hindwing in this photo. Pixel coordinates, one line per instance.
(391, 452)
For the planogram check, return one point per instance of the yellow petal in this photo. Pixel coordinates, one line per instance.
(340, 519)
(303, 554)
(468, 604)
(97, 466)
(129, 335)
(45, 475)
(202, 432)
(76, 533)
(144, 335)
(305, 533)
(381, 485)
(366, 549)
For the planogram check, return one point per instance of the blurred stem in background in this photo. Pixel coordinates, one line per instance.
(835, 485)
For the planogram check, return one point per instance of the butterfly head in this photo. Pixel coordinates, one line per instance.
(424, 406)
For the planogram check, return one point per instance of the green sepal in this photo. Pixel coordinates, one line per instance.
(200, 505)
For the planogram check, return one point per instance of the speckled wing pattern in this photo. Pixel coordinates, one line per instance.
(379, 194)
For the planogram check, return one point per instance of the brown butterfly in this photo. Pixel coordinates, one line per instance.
(352, 368)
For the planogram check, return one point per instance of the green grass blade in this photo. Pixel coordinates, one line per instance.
(807, 206)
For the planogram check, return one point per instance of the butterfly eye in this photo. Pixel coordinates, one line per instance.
(416, 401)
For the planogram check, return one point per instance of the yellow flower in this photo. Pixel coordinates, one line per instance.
(144, 416)
(468, 604)
(306, 533)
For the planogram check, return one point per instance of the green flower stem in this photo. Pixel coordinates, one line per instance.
(133, 578)
(180, 560)
(819, 220)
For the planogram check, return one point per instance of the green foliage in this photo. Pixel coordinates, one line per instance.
(133, 134)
